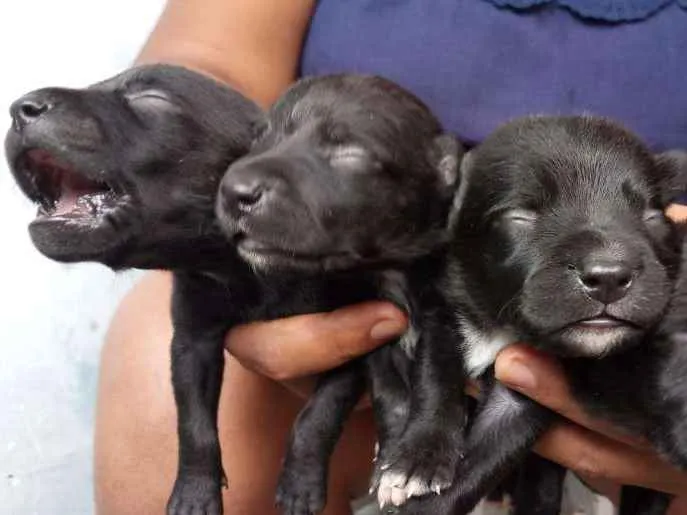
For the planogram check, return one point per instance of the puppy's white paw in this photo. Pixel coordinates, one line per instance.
(396, 488)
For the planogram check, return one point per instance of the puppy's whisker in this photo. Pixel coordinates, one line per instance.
(507, 305)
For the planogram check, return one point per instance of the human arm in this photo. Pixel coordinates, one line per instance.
(594, 449)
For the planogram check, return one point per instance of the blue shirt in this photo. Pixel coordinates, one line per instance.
(478, 63)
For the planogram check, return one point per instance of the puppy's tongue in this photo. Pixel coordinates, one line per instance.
(73, 192)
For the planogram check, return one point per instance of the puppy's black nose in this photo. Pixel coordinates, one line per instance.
(244, 191)
(606, 280)
(245, 194)
(28, 109)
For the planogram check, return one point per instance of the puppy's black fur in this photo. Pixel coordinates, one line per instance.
(351, 183)
(126, 174)
(348, 195)
(562, 242)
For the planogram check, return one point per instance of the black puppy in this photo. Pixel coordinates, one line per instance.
(562, 241)
(348, 195)
(126, 174)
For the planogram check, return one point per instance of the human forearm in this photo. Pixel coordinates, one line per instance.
(254, 46)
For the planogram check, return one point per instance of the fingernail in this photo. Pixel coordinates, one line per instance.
(387, 329)
(517, 375)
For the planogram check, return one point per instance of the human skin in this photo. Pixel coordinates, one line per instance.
(255, 47)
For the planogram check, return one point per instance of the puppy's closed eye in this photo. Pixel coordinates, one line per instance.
(150, 99)
(350, 156)
(519, 218)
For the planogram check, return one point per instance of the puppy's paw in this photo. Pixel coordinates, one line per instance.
(420, 464)
(196, 495)
(301, 491)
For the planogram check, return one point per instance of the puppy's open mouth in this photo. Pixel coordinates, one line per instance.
(63, 193)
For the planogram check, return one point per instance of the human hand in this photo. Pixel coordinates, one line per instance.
(292, 350)
(600, 453)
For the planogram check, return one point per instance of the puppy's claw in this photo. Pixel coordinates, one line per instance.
(438, 486)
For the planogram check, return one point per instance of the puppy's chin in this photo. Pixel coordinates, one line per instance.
(589, 341)
(74, 241)
(267, 259)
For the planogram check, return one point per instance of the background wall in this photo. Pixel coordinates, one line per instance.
(53, 317)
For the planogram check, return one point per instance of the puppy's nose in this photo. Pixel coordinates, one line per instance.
(606, 280)
(243, 193)
(28, 109)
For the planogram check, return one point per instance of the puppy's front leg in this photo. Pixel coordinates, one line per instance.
(424, 458)
(302, 485)
(197, 368)
(388, 372)
(507, 424)
(539, 490)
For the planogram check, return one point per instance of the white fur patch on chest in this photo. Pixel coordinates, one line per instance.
(481, 348)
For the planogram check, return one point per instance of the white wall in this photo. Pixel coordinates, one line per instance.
(53, 317)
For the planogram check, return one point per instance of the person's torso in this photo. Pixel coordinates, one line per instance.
(477, 65)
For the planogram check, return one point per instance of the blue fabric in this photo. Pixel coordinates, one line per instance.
(603, 10)
(477, 65)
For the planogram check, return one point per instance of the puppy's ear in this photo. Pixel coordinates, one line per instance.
(445, 155)
(466, 165)
(672, 168)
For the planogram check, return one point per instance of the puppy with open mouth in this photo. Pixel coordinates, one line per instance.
(351, 182)
(125, 172)
(562, 241)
